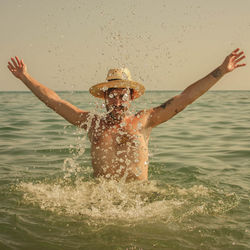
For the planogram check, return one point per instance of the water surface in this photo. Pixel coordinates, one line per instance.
(197, 195)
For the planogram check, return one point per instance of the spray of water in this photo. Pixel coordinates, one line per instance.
(101, 201)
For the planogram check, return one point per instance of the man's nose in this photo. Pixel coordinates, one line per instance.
(117, 101)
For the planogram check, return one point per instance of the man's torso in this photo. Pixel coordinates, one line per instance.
(120, 150)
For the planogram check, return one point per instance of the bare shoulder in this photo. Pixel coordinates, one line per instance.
(141, 117)
(92, 120)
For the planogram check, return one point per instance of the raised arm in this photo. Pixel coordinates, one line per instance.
(68, 111)
(176, 104)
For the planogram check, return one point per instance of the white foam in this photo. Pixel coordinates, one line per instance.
(102, 200)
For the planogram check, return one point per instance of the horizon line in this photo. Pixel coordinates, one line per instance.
(28, 91)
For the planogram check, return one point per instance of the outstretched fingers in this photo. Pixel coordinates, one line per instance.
(236, 56)
(10, 68)
(235, 51)
(239, 59)
(234, 59)
(18, 61)
(14, 62)
(240, 65)
(15, 65)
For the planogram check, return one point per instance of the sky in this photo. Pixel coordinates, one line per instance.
(166, 44)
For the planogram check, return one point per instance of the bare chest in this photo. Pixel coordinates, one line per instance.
(116, 136)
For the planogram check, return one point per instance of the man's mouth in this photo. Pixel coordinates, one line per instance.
(118, 108)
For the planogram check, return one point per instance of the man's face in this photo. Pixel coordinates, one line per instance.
(117, 99)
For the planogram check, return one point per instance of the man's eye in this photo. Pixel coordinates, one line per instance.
(125, 97)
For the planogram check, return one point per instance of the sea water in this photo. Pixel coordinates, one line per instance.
(196, 197)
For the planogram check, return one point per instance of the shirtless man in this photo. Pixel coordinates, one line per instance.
(119, 139)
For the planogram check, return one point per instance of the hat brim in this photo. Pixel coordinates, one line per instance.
(99, 89)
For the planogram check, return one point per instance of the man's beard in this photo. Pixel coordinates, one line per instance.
(116, 108)
(117, 112)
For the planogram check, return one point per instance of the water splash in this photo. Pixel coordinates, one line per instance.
(103, 201)
(71, 166)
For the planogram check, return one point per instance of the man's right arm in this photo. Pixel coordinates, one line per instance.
(65, 109)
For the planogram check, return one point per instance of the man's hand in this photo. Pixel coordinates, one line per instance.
(17, 67)
(232, 61)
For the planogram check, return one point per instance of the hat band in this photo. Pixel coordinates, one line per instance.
(116, 79)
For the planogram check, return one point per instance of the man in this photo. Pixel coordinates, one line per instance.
(119, 139)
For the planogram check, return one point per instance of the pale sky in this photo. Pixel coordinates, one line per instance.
(166, 44)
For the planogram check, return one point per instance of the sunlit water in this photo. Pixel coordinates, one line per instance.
(197, 195)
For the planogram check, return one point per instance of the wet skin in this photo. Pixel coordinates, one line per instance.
(119, 140)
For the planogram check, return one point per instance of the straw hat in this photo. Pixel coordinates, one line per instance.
(117, 78)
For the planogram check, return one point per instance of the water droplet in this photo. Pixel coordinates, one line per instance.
(118, 140)
(125, 97)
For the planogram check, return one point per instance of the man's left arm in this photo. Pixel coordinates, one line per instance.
(177, 103)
